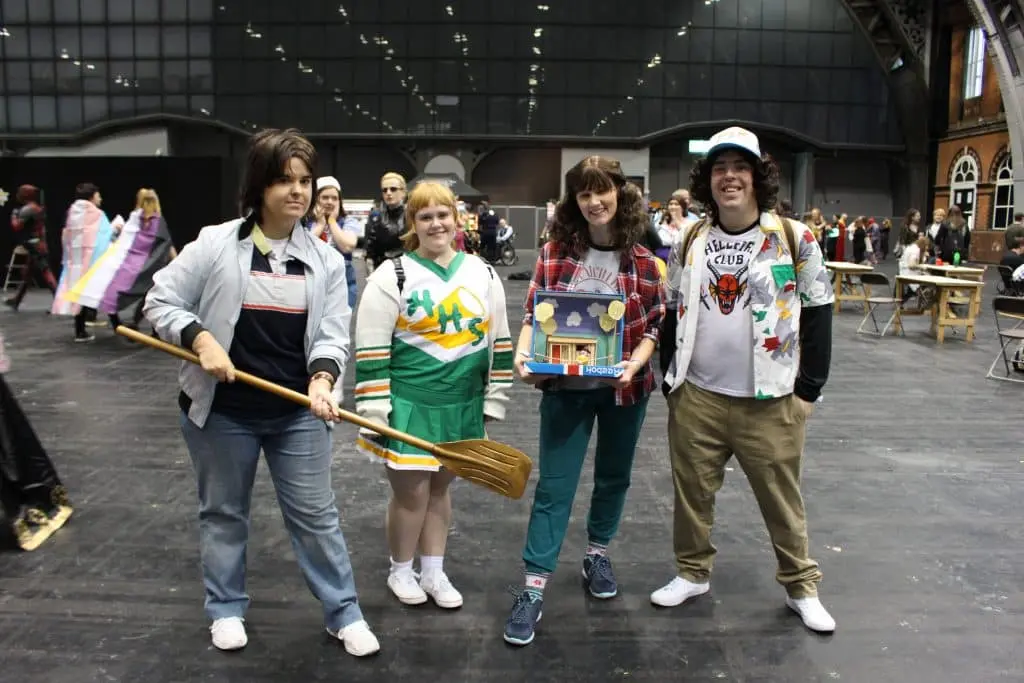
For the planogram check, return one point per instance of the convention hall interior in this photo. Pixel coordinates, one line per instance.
(892, 124)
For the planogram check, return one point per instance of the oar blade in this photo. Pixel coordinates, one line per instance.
(490, 464)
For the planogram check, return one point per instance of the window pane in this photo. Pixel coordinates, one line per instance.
(175, 10)
(20, 110)
(69, 77)
(94, 42)
(147, 10)
(44, 78)
(96, 110)
(44, 112)
(200, 75)
(40, 39)
(66, 11)
(14, 13)
(200, 10)
(92, 11)
(200, 43)
(69, 113)
(201, 104)
(147, 75)
(175, 75)
(118, 10)
(147, 41)
(121, 42)
(175, 41)
(17, 44)
(17, 77)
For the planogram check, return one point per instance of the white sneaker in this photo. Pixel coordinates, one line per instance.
(678, 591)
(358, 639)
(405, 587)
(813, 614)
(229, 633)
(436, 585)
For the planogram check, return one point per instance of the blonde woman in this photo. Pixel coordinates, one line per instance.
(433, 359)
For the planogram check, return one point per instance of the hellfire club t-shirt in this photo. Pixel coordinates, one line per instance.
(723, 355)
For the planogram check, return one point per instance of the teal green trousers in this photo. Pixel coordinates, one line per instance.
(566, 422)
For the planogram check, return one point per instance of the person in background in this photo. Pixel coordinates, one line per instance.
(910, 231)
(938, 217)
(593, 248)
(282, 316)
(28, 227)
(488, 227)
(332, 224)
(87, 235)
(883, 243)
(34, 501)
(914, 254)
(953, 238)
(384, 229)
(1014, 230)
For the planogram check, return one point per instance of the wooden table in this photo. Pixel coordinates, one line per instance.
(960, 272)
(842, 273)
(941, 318)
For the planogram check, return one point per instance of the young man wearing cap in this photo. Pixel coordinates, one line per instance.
(753, 303)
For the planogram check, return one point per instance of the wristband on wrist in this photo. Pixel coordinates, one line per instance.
(326, 376)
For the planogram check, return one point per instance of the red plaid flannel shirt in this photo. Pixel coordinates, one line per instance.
(639, 280)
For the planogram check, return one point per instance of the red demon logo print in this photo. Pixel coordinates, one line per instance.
(728, 288)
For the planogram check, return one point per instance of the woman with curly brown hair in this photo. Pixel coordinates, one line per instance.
(593, 247)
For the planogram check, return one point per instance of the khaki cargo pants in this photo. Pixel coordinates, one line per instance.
(767, 436)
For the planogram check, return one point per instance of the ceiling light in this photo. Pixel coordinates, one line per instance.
(4, 33)
(449, 10)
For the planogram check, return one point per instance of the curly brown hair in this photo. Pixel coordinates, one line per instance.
(598, 174)
(766, 183)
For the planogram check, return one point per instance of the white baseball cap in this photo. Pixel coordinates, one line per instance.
(328, 181)
(734, 138)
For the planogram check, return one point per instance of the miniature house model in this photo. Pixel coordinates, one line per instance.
(577, 334)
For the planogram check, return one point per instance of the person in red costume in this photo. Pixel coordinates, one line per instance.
(28, 225)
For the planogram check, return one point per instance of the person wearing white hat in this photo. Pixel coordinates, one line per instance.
(751, 303)
(331, 224)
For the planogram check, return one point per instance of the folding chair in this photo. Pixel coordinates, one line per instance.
(879, 280)
(1005, 308)
(19, 257)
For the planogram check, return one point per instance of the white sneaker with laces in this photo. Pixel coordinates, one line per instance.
(405, 587)
(229, 633)
(677, 591)
(439, 587)
(813, 614)
(358, 639)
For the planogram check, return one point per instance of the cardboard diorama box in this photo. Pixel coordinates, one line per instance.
(577, 334)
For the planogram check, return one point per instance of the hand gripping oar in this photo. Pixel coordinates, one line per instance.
(487, 463)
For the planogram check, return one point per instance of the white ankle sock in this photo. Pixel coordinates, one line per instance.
(398, 567)
(431, 563)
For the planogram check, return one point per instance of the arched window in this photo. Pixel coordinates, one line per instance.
(1002, 213)
(963, 186)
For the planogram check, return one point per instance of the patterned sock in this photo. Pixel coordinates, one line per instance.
(535, 583)
(596, 549)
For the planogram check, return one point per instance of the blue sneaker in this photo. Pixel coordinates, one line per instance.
(598, 577)
(526, 613)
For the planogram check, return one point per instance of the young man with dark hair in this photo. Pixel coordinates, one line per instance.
(753, 341)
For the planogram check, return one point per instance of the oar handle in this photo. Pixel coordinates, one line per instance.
(278, 390)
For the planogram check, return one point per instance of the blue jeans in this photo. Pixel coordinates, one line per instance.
(225, 454)
(350, 278)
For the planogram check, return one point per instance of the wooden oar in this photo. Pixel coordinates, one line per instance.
(490, 464)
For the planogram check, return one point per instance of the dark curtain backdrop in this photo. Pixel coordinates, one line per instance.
(189, 188)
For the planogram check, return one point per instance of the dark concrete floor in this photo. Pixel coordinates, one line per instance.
(913, 473)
